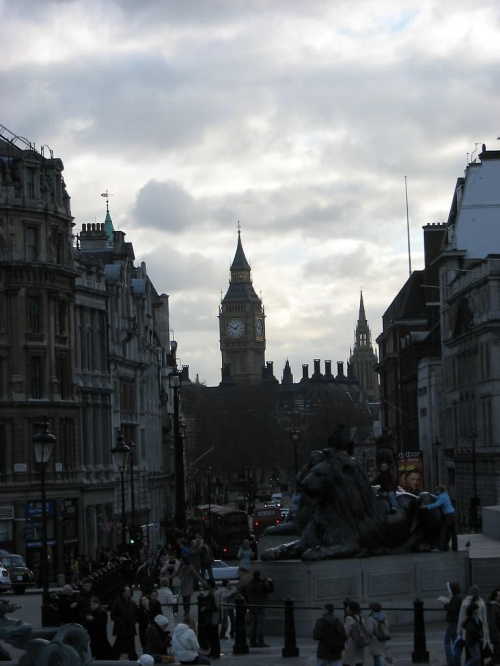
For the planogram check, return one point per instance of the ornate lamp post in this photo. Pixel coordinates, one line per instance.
(295, 437)
(474, 501)
(174, 380)
(120, 454)
(43, 444)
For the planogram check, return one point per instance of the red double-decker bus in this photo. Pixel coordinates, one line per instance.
(226, 527)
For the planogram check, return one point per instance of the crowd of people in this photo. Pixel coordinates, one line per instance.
(167, 580)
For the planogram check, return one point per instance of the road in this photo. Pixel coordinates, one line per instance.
(399, 648)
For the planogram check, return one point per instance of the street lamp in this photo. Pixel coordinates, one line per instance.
(295, 437)
(43, 443)
(120, 454)
(474, 501)
(174, 381)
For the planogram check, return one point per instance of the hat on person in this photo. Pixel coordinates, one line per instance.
(161, 621)
(146, 660)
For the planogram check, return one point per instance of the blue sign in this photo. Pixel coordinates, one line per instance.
(34, 509)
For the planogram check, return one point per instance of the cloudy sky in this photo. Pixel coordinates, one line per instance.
(300, 118)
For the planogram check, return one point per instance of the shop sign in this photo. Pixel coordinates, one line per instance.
(38, 543)
(20, 468)
(34, 509)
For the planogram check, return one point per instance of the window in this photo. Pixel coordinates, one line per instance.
(3, 448)
(36, 377)
(63, 377)
(65, 451)
(30, 182)
(60, 249)
(61, 318)
(31, 244)
(128, 400)
(34, 314)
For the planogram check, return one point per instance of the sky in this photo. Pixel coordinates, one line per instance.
(299, 118)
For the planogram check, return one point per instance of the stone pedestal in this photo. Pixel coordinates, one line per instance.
(395, 581)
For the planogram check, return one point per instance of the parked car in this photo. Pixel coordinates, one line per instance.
(20, 576)
(223, 571)
(5, 583)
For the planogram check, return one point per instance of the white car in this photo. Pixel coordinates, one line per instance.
(5, 583)
(277, 498)
(223, 571)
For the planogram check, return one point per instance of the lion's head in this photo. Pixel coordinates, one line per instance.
(337, 493)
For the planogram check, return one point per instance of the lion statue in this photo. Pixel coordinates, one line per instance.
(340, 515)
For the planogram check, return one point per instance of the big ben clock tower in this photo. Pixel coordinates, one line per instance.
(242, 324)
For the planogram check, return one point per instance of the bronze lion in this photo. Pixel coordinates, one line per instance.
(341, 516)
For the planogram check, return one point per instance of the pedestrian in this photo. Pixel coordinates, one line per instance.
(188, 576)
(388, 485)
(158, 638)
(67, 604)
(84, 598)
(378, 629)
(256, 593)
(210, 606)
(145, 576)
(452, 605)
(206, 560)
(228, 592)
(448, 526)
(84, 567)
(493, 615)
(474, 634)
(354, 653)
(96, 624)
(154, 604)
(124, 614)
(473, 597)
(143, 619)
(185, 645)
(330, 633)
(166, 601)
(245, 555)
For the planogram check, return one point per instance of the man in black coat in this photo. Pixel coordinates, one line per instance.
(256, 593)
(330, 633)
(124, 616)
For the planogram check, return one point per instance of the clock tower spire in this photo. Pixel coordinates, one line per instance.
(242, 323)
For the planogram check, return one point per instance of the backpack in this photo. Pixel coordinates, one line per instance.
(359, 634)
(334, 635)
(381, 630)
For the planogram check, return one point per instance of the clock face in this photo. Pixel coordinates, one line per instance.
(235, 328)
(259, 328)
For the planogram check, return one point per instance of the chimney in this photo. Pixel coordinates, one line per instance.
(305, 371)
(340, 368)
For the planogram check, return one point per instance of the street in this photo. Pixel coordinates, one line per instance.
(398, 653)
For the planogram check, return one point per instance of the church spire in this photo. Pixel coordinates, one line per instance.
(362, 316)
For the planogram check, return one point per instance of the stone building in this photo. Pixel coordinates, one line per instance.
(133, 342)
(37, 362)
(469, 270)
(84, 341)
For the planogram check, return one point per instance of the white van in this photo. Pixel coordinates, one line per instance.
(277, 498)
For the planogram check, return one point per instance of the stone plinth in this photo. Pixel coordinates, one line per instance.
(395, 581)
(491, 521)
